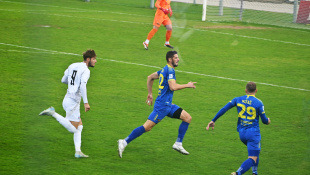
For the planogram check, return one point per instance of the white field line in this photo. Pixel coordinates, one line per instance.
(132, 22)
(24, 10)
(69, 16)
(253, 37)
(26, 51)
(137, 64)
(82, 10)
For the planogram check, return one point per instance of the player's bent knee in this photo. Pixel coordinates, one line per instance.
(148, 125)
(80, 128)
(71, 128)
(147, 129)
(169, 27)
(186, 117)
(155, 27)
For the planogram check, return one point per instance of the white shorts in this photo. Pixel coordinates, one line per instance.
(72, 108)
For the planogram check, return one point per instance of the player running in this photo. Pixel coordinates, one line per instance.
(76, 76)
(161, 17)
(249, 109)
(163, 104)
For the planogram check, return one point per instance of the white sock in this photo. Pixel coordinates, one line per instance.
(77, 138)
(64, 122)
(147, 41)
(178, 143)
(125, 143)
(167, 42)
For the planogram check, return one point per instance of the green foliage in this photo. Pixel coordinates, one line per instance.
(31, 73)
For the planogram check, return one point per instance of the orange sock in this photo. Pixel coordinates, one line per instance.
(168, 35)
(151, 34)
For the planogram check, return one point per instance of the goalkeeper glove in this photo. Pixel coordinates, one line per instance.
(170, 12)
(166, 11)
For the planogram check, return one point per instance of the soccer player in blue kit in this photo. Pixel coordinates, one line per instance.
(249, 109)
(163, 105)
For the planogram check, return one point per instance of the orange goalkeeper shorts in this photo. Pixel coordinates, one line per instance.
(158, 20)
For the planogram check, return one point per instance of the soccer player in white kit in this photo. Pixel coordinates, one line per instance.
(76, 76)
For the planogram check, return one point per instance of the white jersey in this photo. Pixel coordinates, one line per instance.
(76, 76)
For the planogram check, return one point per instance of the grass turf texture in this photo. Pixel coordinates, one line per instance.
(30, 82)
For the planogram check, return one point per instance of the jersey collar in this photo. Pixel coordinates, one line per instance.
(250, 95)
(169, 65)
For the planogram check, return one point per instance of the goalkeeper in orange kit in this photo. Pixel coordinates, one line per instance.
(161, 17)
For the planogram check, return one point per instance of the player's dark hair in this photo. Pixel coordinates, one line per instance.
(251, 87)
(89, 54)
(170, 54)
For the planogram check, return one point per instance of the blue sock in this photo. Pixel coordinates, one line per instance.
(135, 133)
(182, 130)
(254, 167)
(246, 165)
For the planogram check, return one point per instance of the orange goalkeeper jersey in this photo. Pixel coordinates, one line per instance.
(165, 4)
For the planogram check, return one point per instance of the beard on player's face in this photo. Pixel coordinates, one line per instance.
(175, 63)
(92, 63)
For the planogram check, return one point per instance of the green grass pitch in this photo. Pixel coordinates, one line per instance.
(40, 38)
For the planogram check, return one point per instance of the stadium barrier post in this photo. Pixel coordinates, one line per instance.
(221, 8)
(152, 4)
(295, 11)
(204, 10)
(194, 2)
(241, 10)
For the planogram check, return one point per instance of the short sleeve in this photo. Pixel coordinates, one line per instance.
(158, 72)
(171, 74)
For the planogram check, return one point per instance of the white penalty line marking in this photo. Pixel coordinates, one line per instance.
(137, 64)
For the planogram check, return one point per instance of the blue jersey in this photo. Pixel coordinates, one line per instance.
(249, 109)
(164, 93)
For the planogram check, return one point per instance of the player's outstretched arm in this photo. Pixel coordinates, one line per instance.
(211, 124)
(191, 84)
(221, 112)
(174, 86)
